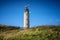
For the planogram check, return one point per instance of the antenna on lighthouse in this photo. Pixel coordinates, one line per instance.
(26, 6)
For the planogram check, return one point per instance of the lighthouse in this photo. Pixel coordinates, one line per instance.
(26, 18)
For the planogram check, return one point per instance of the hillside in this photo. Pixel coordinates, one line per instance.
(36, 33)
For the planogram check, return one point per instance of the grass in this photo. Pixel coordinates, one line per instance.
(37, 33)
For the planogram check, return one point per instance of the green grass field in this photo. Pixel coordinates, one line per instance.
(36, 33)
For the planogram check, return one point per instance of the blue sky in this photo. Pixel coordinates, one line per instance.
(42, 12)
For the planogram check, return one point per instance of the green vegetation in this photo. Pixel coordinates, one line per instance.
(4, 28)
(36, 33)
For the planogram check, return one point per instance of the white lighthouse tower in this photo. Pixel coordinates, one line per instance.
(26, 17)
